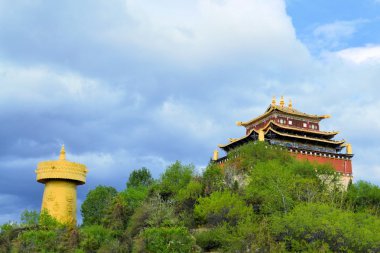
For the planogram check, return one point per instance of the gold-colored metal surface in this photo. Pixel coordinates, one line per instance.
(61, 178)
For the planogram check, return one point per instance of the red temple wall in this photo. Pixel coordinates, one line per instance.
(340, 165)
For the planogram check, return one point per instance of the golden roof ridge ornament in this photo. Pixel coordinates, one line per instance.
(290, 104)
(282, 101)
(274, 100)
(62, 153)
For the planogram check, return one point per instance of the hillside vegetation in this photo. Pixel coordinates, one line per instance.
(260, 200)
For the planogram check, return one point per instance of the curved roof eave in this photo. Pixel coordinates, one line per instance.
(285, 110)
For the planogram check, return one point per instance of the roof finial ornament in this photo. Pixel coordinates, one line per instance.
(290, 104)
(215, 155)
(282, 103)
(62, 154)
(274, 100)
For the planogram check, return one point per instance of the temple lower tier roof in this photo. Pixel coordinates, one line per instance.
(296, 141)
(300, 131)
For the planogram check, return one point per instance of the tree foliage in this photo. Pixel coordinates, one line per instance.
(323, 227)
(260, 200)
(364, 196)
(94, 208)
(29, 218)
(222, 207)
(141, 177)
(168, 240)
(175, 178)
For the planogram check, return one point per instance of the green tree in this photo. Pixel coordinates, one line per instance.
(154, 212)
(168, 240)
(47, 221)
(222, 207)
(93, 237)
(175, 178)
(123, 206)
(117, 214)
(364, 196)
(270, 188)
(134, 196)
(8, 232)
(213, 178)
(39, 241)
(247, 156)
(320, 227)
(29, 218)
(141, 177)
(95, 206)
(188, 196)
(228, 238)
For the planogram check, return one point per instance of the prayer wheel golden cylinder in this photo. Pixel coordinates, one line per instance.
(61, 178)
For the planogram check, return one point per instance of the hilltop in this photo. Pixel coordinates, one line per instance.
(260, 200)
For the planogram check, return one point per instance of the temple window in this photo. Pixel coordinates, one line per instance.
(290, 122)
(304, 124)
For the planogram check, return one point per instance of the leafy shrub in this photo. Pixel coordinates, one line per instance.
(94, 237)
(211, 239)
(39, 241)
(155, 212)
(364, 196)
(222, 207)
(138, 178)
(188, 196)
(29, 218)
(96, 204)
(175, 178)
(134, 196)
(168, 239)
(247, 156)
(48, 222)
(319, 226)
(213, 178)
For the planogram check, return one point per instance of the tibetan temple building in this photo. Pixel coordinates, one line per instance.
(299, 133)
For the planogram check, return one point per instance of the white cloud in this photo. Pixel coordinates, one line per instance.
(360, 55)
(179, 117)
(108, 165)
(333, 34)
(47, 88)
(369, 173)
(208, 31)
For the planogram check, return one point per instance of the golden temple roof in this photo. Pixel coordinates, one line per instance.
(305, 137)
(284, 109)
(232, 141)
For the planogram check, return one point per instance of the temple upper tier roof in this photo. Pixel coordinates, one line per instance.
(282, 108)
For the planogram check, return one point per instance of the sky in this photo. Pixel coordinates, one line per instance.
(142, 83)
